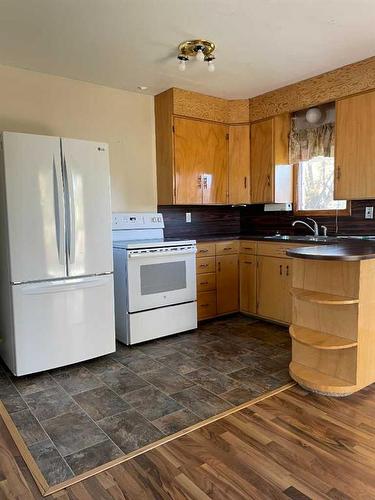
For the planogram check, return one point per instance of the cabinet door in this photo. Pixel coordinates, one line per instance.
(288, 301)
(355, 147)
(189, 160)
(272, 288)
(261, 163)
(239, 164)
(248, 284)
(215, 172)
(227, 283)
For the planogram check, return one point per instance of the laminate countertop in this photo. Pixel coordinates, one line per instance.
(348, 251)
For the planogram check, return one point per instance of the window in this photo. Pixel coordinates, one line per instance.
(314, 187)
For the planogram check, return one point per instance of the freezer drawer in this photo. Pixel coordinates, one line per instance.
(61, 322)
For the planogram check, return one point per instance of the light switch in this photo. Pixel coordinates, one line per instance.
(188, 217)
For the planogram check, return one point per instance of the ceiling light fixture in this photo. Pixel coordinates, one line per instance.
(201, 49)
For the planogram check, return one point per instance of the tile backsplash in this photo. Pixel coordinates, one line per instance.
(217, 220)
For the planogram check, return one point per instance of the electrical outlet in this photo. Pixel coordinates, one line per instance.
(188, 217)
(369, 212)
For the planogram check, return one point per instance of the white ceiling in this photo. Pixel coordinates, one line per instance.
(261, 44)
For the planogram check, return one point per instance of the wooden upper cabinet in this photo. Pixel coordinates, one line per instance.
(200, 162)
(192, 148)
(271, 175)
(239, 164)
(262, 161)
(355, 147)
(215, 158)
(189, 161)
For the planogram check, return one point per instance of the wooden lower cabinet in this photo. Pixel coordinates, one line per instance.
(227, 283)
(248, 284)
(256, 281)
(206, 304)
(273, 286)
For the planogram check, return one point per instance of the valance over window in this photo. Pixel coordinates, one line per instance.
(308, 143)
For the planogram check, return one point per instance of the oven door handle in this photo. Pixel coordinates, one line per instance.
(161, 254)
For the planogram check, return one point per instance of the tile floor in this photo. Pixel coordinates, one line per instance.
(79, 417)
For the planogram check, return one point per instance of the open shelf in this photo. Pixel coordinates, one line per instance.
(319, 340)
(321, 298)
(318, 381)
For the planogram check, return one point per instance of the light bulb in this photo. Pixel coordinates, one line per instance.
(313, 115)
(211, 66)
(182, 65)
(200, 55)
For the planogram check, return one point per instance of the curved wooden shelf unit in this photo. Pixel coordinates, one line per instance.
(320, 382)
(319, 340)
(321, 298)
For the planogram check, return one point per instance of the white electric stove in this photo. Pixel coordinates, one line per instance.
(154, 279)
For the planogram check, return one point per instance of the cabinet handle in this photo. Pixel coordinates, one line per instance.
(219, 266)
(247, 262)
(199, 181)
(245, 182)
(203, 283)
(268, 180)
(203, 265)
(338, 176)
(204, 182)
(281, 269)
(204, 305)
(287, 270)
(227, 248)
(203, 250)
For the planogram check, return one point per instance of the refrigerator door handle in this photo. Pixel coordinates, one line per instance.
(62, 285)
(59, 212)
(71, 213)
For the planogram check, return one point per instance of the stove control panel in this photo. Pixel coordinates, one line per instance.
(126, 220)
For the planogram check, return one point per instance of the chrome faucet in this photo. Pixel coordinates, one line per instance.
(314, 228)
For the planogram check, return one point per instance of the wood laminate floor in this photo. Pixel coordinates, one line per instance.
(292, 445)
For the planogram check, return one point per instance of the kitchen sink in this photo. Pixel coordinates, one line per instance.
(298, 238)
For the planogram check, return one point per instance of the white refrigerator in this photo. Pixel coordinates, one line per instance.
(56, 281)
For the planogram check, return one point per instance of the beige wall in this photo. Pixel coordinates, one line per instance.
(44, 104)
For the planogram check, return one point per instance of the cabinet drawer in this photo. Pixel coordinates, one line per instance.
(248, 259)
(206, 304)
(205, 265)
(205, 249)
(206, 282)
(224, 247)
(248, 247)
(275, 249)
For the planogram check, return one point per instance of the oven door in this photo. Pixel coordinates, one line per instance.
(160, 277)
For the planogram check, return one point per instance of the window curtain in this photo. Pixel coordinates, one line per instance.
(308, 143)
